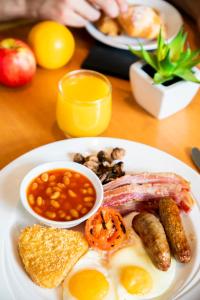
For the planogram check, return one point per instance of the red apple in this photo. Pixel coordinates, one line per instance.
(17, 63)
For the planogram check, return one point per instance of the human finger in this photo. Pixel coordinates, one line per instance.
(110, 7)
(61, 12)
(86, 10)
(123, 5)
(72, 18)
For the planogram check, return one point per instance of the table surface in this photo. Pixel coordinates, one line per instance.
(27, 115)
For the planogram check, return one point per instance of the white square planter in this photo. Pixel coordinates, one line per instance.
(159, 100)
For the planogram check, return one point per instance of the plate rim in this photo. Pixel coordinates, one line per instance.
(9, 165)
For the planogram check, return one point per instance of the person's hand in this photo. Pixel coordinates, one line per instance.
(111, 7)
(69, 12)
(75, 12)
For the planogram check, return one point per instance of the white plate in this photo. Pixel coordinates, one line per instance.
(170, 15)
(14, 282)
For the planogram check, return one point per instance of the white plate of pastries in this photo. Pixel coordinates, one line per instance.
(142, 22)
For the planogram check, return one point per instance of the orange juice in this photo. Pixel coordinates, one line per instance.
(84, 103)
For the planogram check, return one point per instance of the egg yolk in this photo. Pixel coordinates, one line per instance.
(136, 280)
(88, 284)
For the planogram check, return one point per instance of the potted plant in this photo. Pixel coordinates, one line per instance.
(165, 80)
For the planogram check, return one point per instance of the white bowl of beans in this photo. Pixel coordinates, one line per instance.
(61, 194)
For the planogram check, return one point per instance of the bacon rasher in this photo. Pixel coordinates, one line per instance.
(145, 177)
(137, 191)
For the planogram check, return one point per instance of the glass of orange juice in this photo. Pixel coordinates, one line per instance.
(84, 103)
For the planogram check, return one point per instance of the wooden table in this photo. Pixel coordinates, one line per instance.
(27, 115)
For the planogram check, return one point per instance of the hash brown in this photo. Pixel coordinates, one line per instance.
(48, 253)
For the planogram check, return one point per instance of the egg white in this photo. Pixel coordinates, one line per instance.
(136, 255)
(91, 260)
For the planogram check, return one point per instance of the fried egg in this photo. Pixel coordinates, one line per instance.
(126, 274)
(134, 274)
(89, 279)
(136, 277)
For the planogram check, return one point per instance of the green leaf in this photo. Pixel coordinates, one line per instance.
(162, 48)
(160, 42)
(184, 56)
(148, 57)
(187, 75)
(159, 78)
(195, 54)
(193, 63)
(176, 46)
(191, 60)
(166, 66)
(136, 52)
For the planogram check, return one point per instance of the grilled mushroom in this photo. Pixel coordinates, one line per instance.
(117, 153)
(79, 158)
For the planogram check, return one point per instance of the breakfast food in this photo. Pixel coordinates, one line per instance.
(89, 279)
(107, 166)
(48, 254)
(135, 276)
(126, 273)
(141, 22)
(108, 26)
(105, 230)
(153, 236)
(61, 195)
(138, 22)
(170, 218)
(147, 177)
(125, 257)
(142, 191)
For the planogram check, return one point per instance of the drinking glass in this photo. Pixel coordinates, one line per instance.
(84, 103)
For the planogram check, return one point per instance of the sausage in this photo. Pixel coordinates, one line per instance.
(154, 239)
(171, 220)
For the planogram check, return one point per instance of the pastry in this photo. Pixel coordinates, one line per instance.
(141, 22)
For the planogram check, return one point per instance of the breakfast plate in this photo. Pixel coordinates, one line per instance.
(171, 18)
(14, 282)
